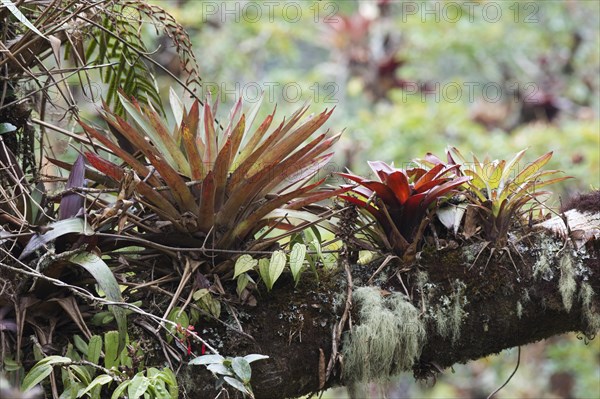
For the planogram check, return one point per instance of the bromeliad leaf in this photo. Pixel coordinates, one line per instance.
(499, 191)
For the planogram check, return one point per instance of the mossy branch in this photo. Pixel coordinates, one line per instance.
(456, 313)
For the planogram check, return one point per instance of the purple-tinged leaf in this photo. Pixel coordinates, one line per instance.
(71, 203)
(381, 169)
(383, 191)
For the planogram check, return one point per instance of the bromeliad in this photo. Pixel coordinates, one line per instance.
(400, 199)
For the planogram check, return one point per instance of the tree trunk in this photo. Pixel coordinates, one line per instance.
(469, 307)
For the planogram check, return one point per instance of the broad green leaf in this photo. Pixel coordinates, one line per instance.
(71, 389)
(41, 370)
(120, 389)
(242, 282)
(243, 264)
(178, 317)
(170, 379)
(82, 373)
(80, 344)
(197, 295)
(297, 256)
(139, 385)
(207, 359)
(102, 379)
(108, 283)
(94, 349)
(22, 18)
(276, 266)
(55, 230)
(219, 368)
(157, 390)
(209, 303)
(111, 346)
(237, 385)
(242, 369)
(263, 269)
(254, 357)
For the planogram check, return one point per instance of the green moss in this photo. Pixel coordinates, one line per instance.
(590, 315)
(519, 309)
(388, 339)
(567, 284)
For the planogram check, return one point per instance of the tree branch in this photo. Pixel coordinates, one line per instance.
(468, 311)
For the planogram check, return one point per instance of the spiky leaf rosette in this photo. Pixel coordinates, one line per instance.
(400, 199)
(500, 190)
(220, 186)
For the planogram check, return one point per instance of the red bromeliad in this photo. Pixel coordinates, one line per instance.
(400, 199)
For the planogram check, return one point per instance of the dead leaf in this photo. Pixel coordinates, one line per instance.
(470, 227)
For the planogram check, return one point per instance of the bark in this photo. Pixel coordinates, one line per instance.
(504, 304)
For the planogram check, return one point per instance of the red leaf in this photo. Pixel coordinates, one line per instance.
(398, 183)
(427, 177)
(108, 168)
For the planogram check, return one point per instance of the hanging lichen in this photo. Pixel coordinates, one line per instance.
(567, 284)
(388, 339)
(590, 314)
(449, 313)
